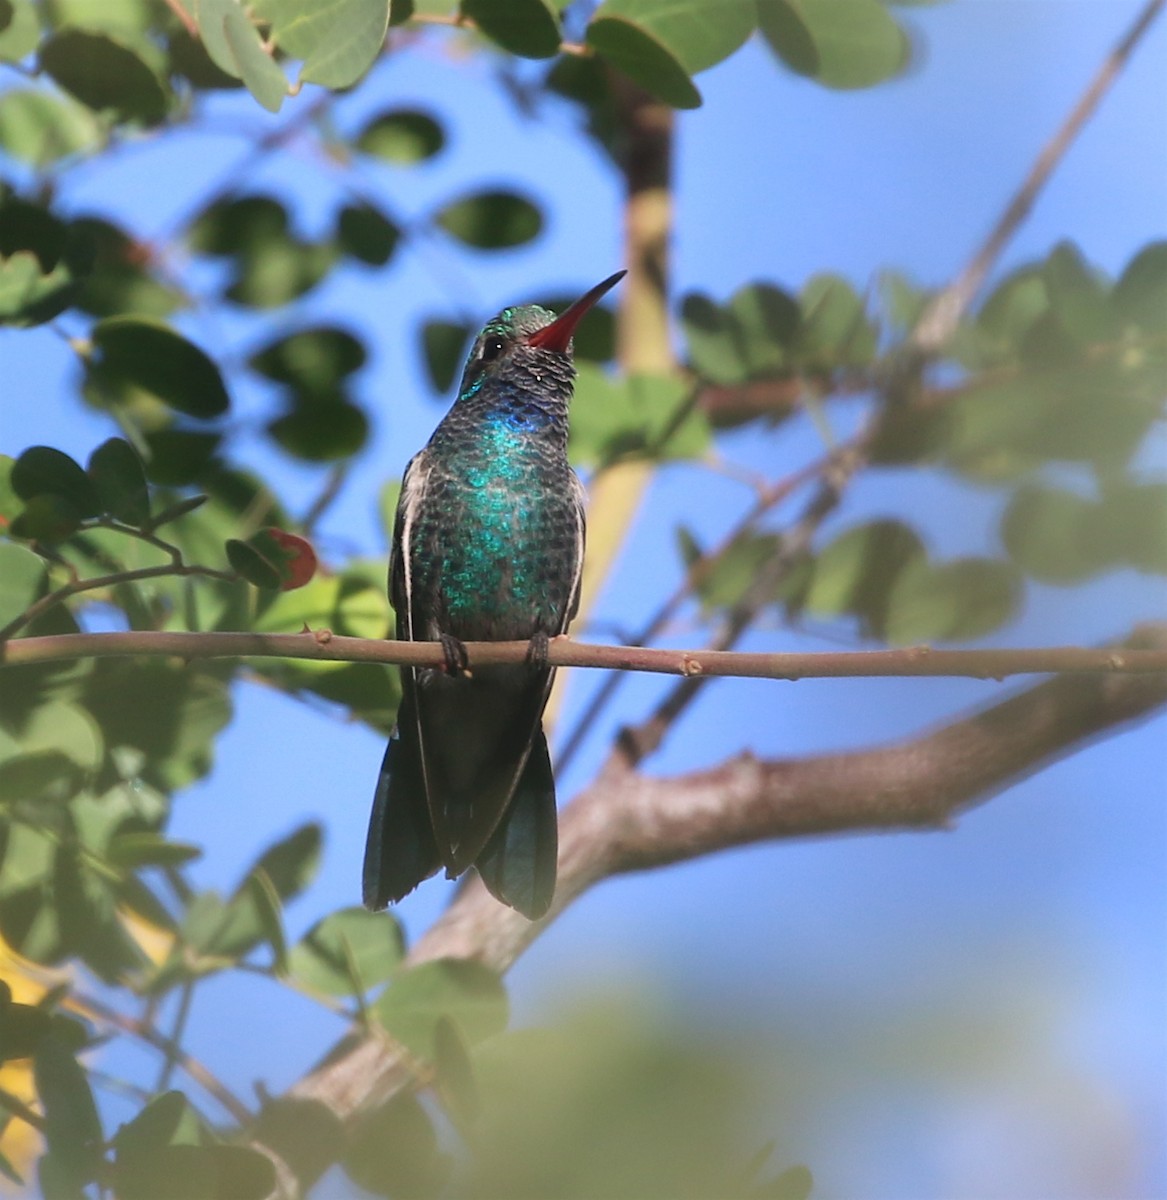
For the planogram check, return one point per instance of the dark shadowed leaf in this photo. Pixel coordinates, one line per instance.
(121, 280)
(644, 59)
(252, 565)
(72, 1127)
(306, 1134)
(118, 475)
(41, 262)
(366, 234)
(104, 74)
(321, 432)
(710, 336)
(43, 470)
(526, 27)
(402, 135)
(444, 345)
(494, 220)
(178, 457)
(135, 355)
(699, 33)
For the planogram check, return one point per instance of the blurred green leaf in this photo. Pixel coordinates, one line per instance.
(143, 848)
(644, 59)
(141, 356)
(121, 280)
(712, 342)
(321, 432)
(22, 579)
(1078, 296)
(313, 360)
(455, 1074)
(394, 1152)
(1044, 529)
(401, 135)
(255, 567)
(466, 992)
(41, 261)
(366, 234)
(371, 942)
(19, 37)
(72, 1127)
(698, 33)
(43, 470)
(525, 27)
(1140, 295)
(856, 572)
(840, 43)
(120, 480)
(178, 457)
(952, 601)
(103, 73)
(835, 329)
(261, 74)
(491, 220)
(40, 128)
(444, 346)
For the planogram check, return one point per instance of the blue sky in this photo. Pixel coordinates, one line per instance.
(1042, 914)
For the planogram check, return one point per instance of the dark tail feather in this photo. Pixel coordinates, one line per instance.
(400, 851)
(518, 863)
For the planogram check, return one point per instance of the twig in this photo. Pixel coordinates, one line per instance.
(323, 646)
(169, 1061)
(945, 310)
(17, 1108)
(90, 1006)
(188, 22)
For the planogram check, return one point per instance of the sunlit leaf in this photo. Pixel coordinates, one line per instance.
(644, 59)
(369, 943)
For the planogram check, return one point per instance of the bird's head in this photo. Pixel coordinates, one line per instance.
(528, 344)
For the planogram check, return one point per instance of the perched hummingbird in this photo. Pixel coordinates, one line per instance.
(488, 545)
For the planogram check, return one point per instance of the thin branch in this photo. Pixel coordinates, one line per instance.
(90, 1006)
(17, 1108)
(634, 823)
(944, 312)
(322, 646)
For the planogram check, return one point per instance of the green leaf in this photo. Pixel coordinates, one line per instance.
(401, 135)
(292, 862)
(43, 470)
(710, 333)
(120, 479)
(394, 1152)
(366, 234)
(644, 59)
(444, 346)
(491, 220)
(41, 261)
(72, 1127)
(314, 360)
(457, 1085)
(138, 357)
(40, 128)
(338, 42)
(144, 848)
(179, 457)
(90, 928)
(840, 43)
(22, 580)
(121, 280)
(261, 74)
(767, 321)
(319, 432)
(1140, 296)
(241, 1173)
(856, 572)
(19, 37)
(526, 27)
(22, 1027)
(1129, 526)
(1078, 296)
(265, 902)
(835, 329)
(698, 33)
(351, 940)
(103, 73)
(954, 601)
(306, 1134)
(1045, 531)
(247, 561)
(466, 992)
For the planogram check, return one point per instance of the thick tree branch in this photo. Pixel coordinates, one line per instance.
(632, 822)
(323, 646)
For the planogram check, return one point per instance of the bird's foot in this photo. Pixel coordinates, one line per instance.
(537, 651)
(457, 660)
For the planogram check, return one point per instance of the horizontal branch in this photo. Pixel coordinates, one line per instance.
(628, 822)
(323, 646)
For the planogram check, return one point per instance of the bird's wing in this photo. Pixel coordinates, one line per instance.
(401, 593)
(579, 498)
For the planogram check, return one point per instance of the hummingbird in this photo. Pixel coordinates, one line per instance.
(488, 545)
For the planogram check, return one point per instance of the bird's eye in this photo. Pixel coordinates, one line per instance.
(492, 347)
